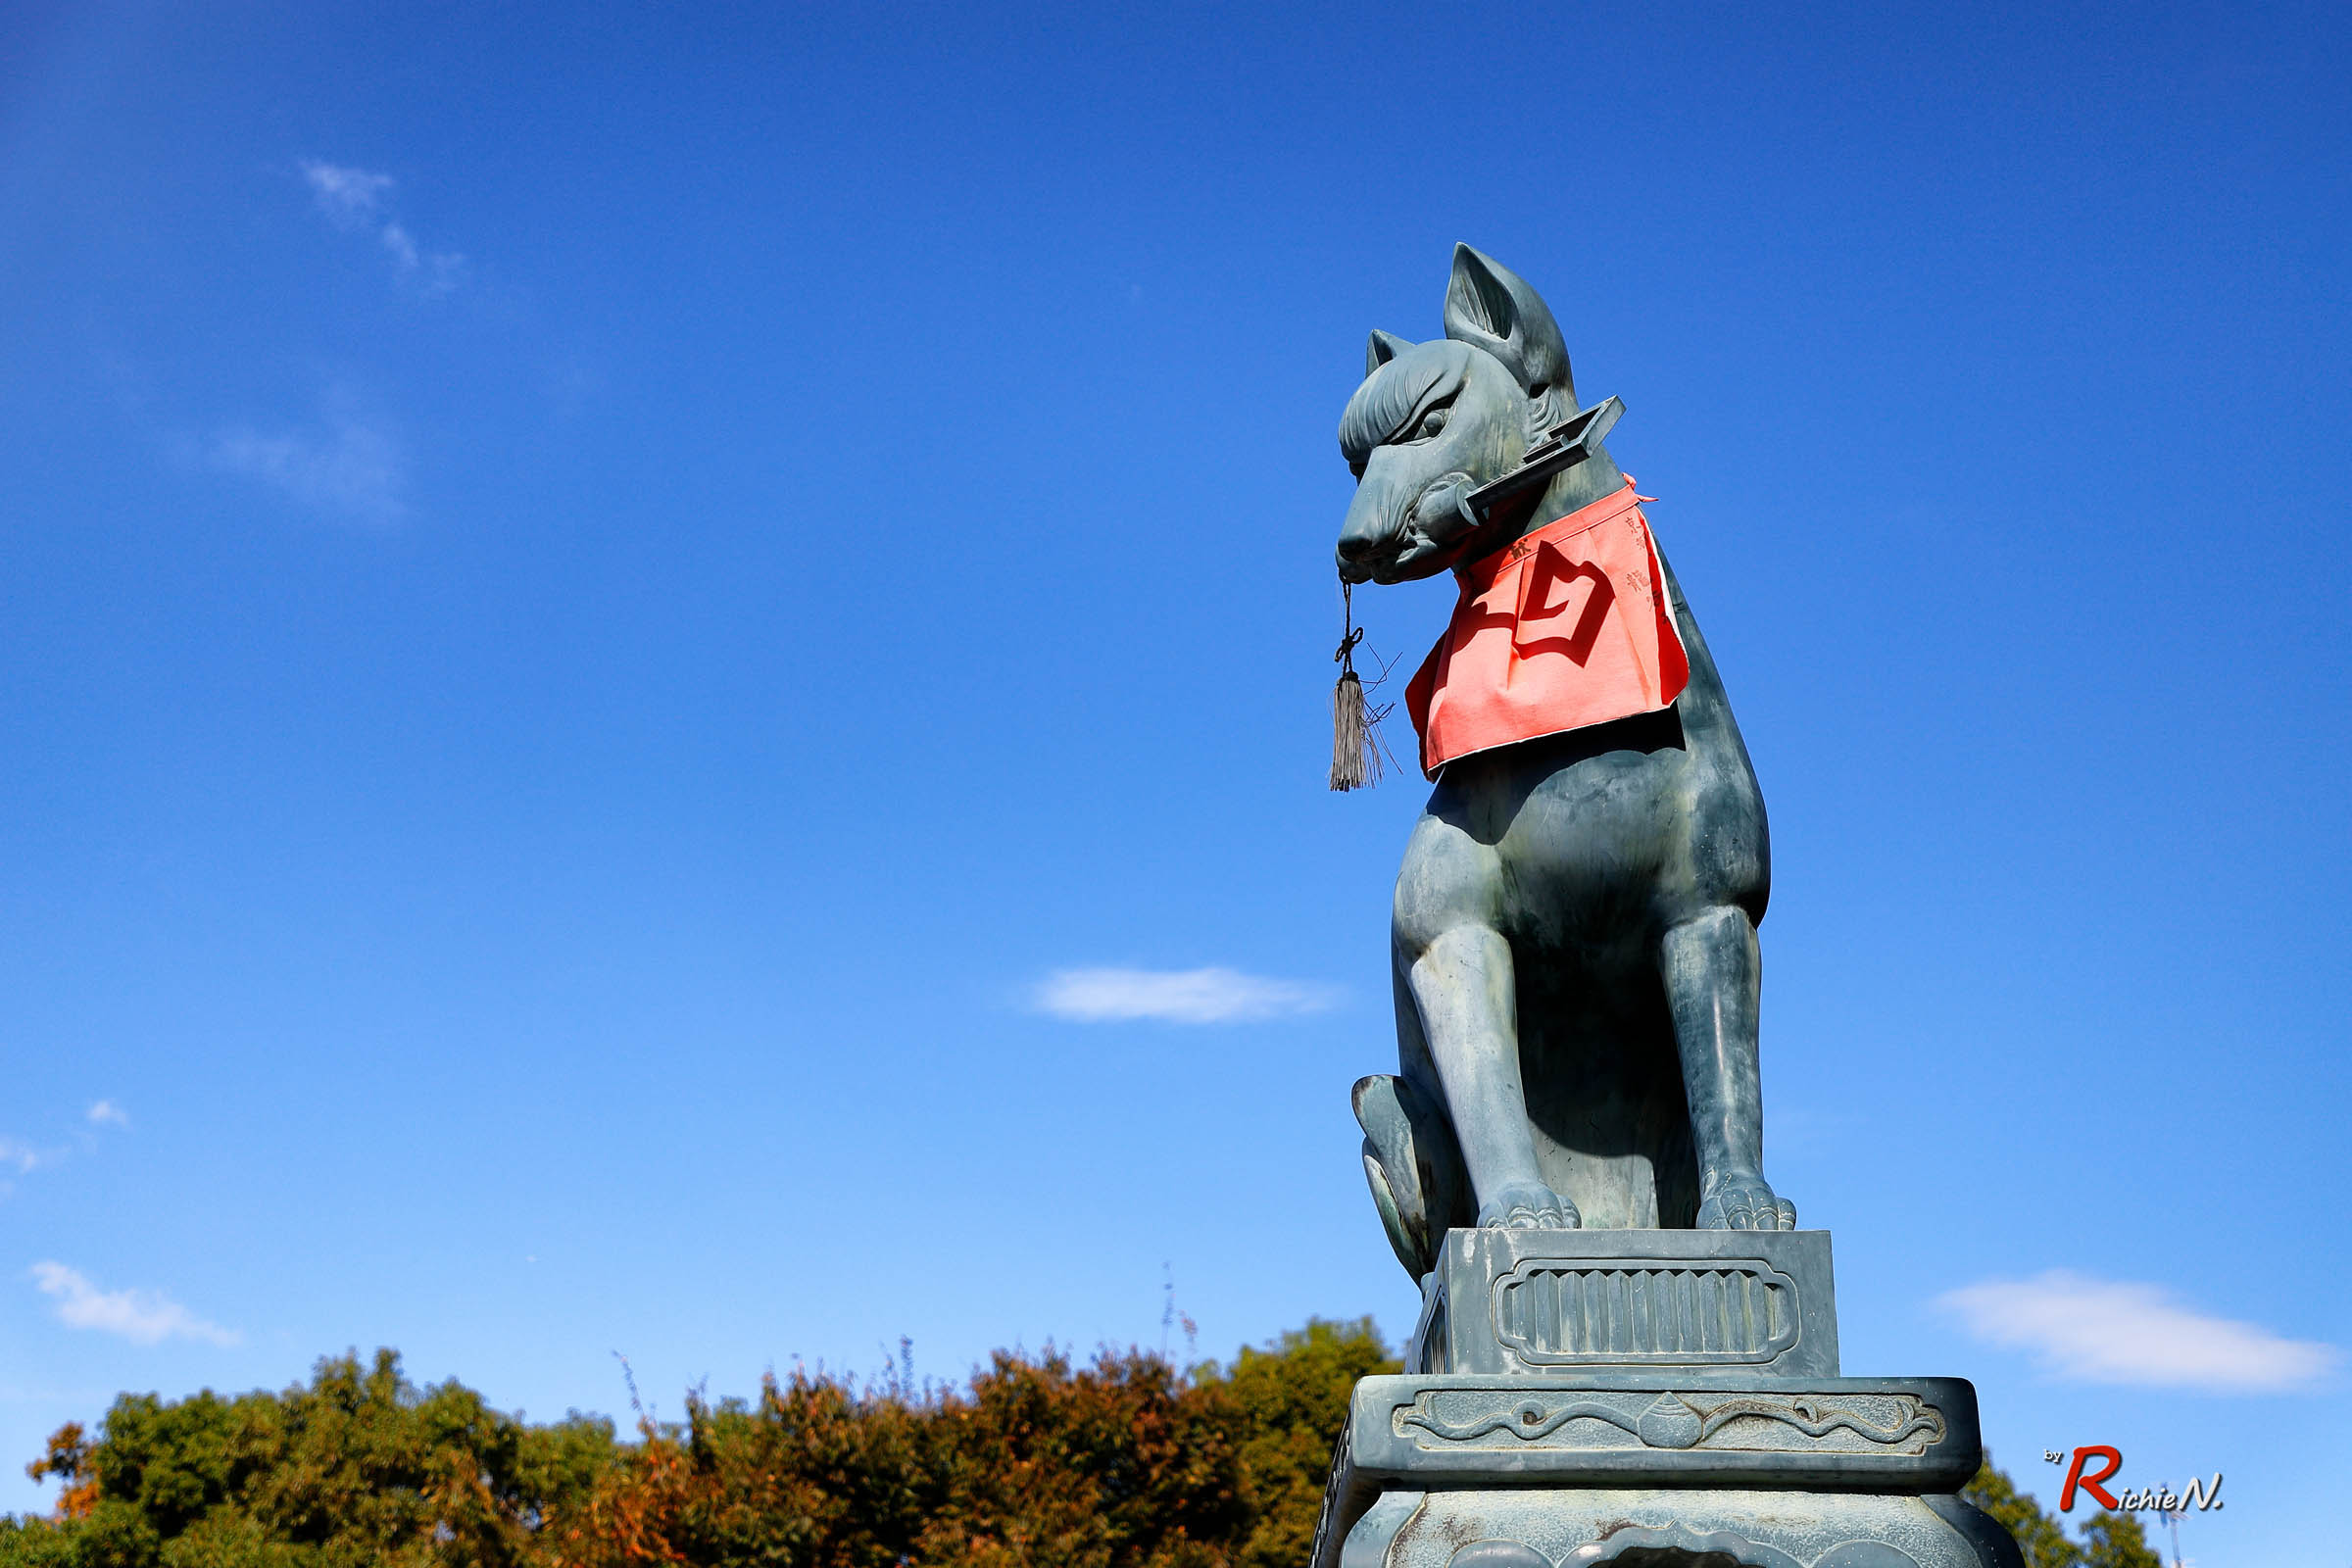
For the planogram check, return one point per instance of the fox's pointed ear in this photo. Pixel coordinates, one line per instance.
(1489, 305)
(1384, 347)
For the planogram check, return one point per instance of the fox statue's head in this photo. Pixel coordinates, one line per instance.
(1433, 422)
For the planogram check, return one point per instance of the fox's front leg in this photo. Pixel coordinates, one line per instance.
(1457, 965)
(1714, 975)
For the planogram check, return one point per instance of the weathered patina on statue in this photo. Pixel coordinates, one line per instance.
(1626, 1352)
(1574, 938)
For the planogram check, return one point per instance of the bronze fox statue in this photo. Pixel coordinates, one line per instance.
(1574, 936)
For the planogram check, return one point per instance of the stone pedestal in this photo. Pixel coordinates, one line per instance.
(1650, 1397)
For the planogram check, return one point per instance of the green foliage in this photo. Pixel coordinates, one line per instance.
(1038, 1463)
(40, 1543)
(2041, 1537)
(1293, 1395)
(2116, 1540)
(360, 1467)
(2109, 1539)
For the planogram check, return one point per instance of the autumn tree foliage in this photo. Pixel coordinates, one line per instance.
(1037, 1462)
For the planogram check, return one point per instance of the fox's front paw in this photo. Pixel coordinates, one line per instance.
(1529, 1206)
(1744, 1202)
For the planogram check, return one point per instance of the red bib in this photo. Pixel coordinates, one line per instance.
(1564, 627)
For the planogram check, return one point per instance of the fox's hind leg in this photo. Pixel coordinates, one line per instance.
(1714, 973)
(1456, 964)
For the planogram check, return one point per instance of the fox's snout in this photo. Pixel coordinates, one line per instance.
(1396, 514)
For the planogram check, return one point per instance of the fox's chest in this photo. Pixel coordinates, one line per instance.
(1601, 843)
(1597, 837)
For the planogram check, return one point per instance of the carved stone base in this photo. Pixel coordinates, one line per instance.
(1650, 1397)
(1490, 1472)
(1655, 1528)
(1657, 1429)
(1740, 1303)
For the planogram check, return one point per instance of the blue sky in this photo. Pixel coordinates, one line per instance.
(600, 599)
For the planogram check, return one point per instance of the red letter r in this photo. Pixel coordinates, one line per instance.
(2090, 1483)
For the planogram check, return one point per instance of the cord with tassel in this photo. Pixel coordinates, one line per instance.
(1355, 748)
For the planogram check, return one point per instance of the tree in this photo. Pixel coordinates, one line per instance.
(1036, 1462)
(1294, 1395)
(2117, 1541)
(1039, 1464)
(2109, 1539)
(359, 1467)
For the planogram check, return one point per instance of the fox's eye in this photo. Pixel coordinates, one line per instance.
(1431, 423)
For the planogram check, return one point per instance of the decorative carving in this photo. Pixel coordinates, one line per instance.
(1636, 1312)
(1900, 1422)
(1328, 1524)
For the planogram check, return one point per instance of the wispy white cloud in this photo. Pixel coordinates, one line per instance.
(349, 197)
(139, 1316)
(106, 1114)
(346, 465)
(354, 200)
(22, 1158)
(2108, 1331)
(404, 248)
(1176, 995)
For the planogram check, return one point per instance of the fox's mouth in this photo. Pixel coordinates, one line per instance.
(1431, 527)
(1396, 566)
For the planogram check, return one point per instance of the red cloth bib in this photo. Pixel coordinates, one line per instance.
(1564, 627)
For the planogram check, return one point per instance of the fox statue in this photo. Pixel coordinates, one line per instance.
(1574, 936)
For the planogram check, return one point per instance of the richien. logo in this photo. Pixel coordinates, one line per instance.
(2197, 1493)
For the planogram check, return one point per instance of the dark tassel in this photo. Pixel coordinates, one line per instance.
(1356, 759)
